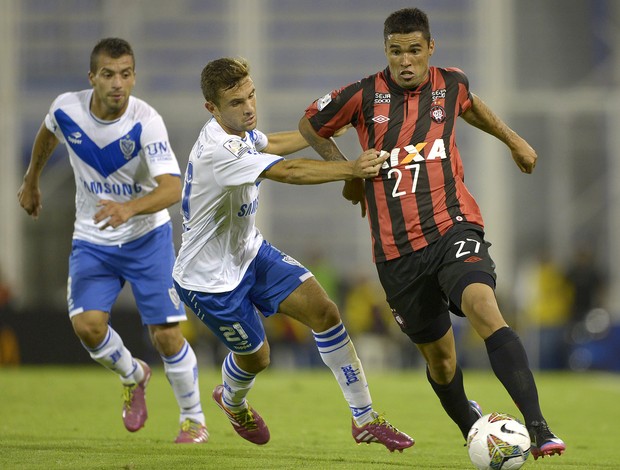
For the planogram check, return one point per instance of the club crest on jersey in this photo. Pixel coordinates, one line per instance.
(174, 297)
(438, 114)
(127, 146)
(237, 147)
(400, 320)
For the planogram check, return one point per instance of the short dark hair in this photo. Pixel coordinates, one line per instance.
(112, 47)
(221, 75)
(407, 20)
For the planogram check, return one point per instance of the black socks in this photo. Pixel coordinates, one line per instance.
(454, 401)
(510, 365)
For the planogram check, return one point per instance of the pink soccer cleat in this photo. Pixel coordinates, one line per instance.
(192, 433)
(134, 404)
(247, 423)
(379, 430)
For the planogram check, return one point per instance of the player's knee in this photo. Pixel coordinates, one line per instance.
(167, 339)
(254, 363)
(442, 369)
(91, 329)
(261, 363)
(326, 316)
(479, 300)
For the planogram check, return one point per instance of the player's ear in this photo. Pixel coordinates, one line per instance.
(91, 78)
(431, 47)
(211, 107)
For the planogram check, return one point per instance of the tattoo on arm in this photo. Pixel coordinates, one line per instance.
(328, 149)
(482, 117)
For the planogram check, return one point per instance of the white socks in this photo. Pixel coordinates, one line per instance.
(113, 355)
(182, 373)
(237, 384)
(338, 353)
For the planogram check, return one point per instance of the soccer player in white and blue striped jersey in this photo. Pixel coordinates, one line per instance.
(229, 275)
(126, 176)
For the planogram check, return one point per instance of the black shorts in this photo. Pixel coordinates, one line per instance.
(423, 287)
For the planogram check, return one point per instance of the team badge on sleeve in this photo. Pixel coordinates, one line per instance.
(322, 102)
(237, 147)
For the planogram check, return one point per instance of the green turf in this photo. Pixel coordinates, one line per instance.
(69, 418)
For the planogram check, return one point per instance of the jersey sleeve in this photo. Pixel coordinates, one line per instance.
(464, 97)
(260, 139)
(50, 120)
(235, 163)
(335, 110)
(158, 153)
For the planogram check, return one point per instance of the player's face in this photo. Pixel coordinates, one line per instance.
(112, 84)
(408, 57)
(236, 111)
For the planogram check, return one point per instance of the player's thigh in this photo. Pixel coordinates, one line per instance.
(275, 276)
(147, 264)
(480, 306)
(92, 284)
(440, 350)
(230, 316)
(310, 305)
(415, 297)
(466, 260)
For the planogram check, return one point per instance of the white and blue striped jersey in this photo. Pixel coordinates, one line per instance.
(116, 160)
(220, 200)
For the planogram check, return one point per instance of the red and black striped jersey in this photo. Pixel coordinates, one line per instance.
(420, 192)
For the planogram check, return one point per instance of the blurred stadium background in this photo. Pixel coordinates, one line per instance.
(550, 68)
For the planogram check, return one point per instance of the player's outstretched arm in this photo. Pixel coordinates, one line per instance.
(287, 142)
(353, 189)
(480, 115)
(113, 214)
(29, 194)
(326, 148)
(307, 171)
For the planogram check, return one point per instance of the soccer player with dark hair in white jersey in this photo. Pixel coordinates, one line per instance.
(126, 177)
(229, 275)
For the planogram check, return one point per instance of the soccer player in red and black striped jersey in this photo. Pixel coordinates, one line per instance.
(426, 228)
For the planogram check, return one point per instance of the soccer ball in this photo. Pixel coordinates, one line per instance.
(498, 441)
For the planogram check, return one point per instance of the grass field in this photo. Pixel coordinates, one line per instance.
(69, 418)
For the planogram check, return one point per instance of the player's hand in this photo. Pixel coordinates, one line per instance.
(369, 163)
(354, 191)
(29, 197)
(524, 156)
(112, 214)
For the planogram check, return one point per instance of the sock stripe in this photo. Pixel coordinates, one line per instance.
(360, 411)
(333, 343)
(178, 357)
(232, 369)
(135, 367)
(335, 330)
